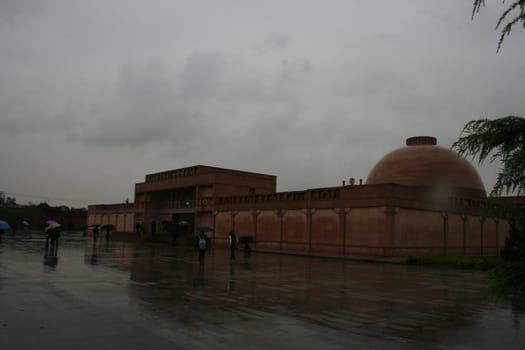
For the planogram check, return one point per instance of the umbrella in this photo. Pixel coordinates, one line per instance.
(4, 225)
(52, 226)
(183, 222)
(25, 223)
(205, 229)
(50, 222)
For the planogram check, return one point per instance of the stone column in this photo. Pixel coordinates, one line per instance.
(464, 219)
(496, 220)
(255, 216)
(342, 226)
(309, 215)
(444, 216)
(280, 214)
(481, 224)
(215, 213)
(390, 213)
(232, 220)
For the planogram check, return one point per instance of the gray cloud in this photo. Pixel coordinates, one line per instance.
(114, 91)
(275, 41)
(12, 11)
(155, 102)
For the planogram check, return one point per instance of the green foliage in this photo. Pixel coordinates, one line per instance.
(504, 139)
(15, 215)
(463, 262)
(108, 228)
(514, 13)
(7, 201)
(246, 240)
(174, 229)
(509, 279)
(514, 249)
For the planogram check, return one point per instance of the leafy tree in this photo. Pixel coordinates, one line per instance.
(503, 139)
(247, 240)
(7, 201)
(108, 228)
(514, 13)
(514, 249)
(174, 230)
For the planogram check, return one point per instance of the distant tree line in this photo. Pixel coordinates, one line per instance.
(503, 139)
(513, 14)
(7, 201)
(37, 214)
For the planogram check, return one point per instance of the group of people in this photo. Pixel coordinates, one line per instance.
(202, 243)
(52, 236)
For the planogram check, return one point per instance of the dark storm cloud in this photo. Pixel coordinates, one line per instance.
(314, 94)
(33, 110)
(12, 11)
(205, 100)
(296, 71)
(204, 76)
(138, 109)
(275, 41)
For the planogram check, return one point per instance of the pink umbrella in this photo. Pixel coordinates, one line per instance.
(49, 222)
(52, 226)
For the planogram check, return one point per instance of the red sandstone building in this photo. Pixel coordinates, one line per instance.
(421, 199)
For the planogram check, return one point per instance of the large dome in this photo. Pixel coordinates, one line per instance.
(422, 163)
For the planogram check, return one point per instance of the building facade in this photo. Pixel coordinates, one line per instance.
(421, 199)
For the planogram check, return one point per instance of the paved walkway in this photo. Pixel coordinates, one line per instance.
(113, 295)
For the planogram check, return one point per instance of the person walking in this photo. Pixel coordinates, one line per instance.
(52, 236)
(233, 245)
(201, 243)
(153, 227)
(96, 232)
(138, 228)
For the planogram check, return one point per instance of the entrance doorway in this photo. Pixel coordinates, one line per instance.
(185, 223)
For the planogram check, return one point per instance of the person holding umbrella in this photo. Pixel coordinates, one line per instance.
(52, 235)
(96, 232)
(3, 226)
(201, 243)
(233, 245)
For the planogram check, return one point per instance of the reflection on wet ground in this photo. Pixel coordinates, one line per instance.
(142, 295)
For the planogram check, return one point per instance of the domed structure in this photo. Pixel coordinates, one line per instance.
(423, 163)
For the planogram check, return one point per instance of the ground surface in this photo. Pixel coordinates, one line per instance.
(124, 295)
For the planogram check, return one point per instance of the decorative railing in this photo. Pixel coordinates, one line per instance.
(262, 198)
(172, 174)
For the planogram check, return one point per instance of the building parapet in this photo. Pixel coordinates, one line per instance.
(352, 196)
(119, 207)
(200, 175)
(198, 170)
(172, 174)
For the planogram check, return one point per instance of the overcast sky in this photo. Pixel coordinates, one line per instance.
(96, 94)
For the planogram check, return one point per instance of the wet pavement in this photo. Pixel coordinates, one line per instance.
(116, 294)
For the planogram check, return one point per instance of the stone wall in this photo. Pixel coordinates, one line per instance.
(371, 220)
(371, 231)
